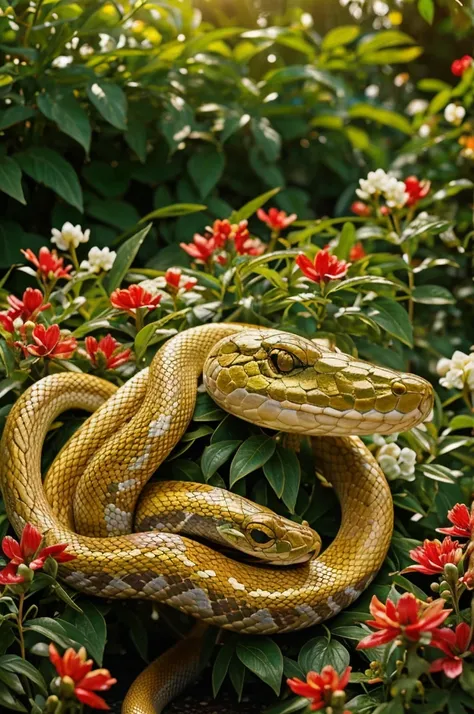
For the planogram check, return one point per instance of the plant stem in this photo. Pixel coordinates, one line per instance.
(21, 603)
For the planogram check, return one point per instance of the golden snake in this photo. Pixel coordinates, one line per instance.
(271, 378)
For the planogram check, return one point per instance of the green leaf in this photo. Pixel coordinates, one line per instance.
(252, 206)
(340, 36)
(215, 455)
(462, 421)
(295, 73)
(10, 179)
(136, 137)
(125, 257)
(393, 318)
(402, 55)
(266, 139)
(176, 209)
(206, 409)
(9, 701)
(264, 658)
(426, 9)
(91, 624)
(382, 40)
(321, 651)
(110, 100)
(252, 454)
(439, 101)
(346, 240)
(370, 280)
(221, 666)
(237, 676)
(65, 110)
(433, 295)
(453, 188)
(382, 116)
(281, 467)
(16, 664)
(49, 168)
(206, 168)
(14, 115)
(51, 629)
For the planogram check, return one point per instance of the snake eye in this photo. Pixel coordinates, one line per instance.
(398, 388)
(282, 361)
(261, 537)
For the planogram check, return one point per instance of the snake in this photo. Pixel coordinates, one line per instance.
(96, 494)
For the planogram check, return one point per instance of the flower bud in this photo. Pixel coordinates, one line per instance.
(451, 573)
(66, 688)
(338, 699)
(51, 567)
(52, 704)
(434, 587)
(446, 595)
(443, 586)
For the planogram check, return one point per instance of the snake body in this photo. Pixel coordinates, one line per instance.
(274, 379)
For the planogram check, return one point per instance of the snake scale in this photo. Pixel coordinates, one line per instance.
(271, 378)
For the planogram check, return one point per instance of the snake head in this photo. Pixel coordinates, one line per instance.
(286, 382)
(273, 539)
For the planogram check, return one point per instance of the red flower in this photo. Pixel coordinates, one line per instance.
(459, 66)
(319, 688)
(453, 644)
(26, 309)
(462, 520)
(249, 246)
(357, 252)
(361, 209)
(6, 319)
(175, 280)
(48, 264)
(275, 219)
(325, 267)
(416, 190)
(201, 249)
(408, 619)
(131, 299)
(106, 352)
(26, 552)
(433, 555)
(75, 671)
(221, 231)
(49, 343)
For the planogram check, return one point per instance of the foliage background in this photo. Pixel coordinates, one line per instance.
(178, 113)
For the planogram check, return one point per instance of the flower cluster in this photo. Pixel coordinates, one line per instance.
(459, 66)
(99, 260)
(457, 372)
(221, 237)
(433, 555)
(48, 265)
(27, 556)
(395, 462)
(69, 236)
(77, 679)
(396, 194)
(21, 310)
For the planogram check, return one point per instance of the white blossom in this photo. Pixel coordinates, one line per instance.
(416, 106)
(380, 183)
(394, 461)
(454, 114)
(61, 61)
(457, 372)
(69, 236)
(99, 259)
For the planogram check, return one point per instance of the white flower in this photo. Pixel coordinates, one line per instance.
(380, 183)
(396, 462)
(424, 131)
(98, 260)
(454, 114)
(458, 371)
(416, 106)
(61, 61)
(69, 236)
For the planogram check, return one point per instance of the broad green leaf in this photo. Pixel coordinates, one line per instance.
(346, 240)
(393, 318)
(15, 115)
(252, 206)
(295, 73)
(9, 701)
(201, 42)
(433, 295)
(15, 663)
(125, 257)
(136, 137)
(176, 209)
(252, 454)
(320, 652)
(206, 409)
(281, 467)
(266, 138)
(453, 188)
(395, 56)
(115, 212)
(49, 168)
(205, 168)
(439, 101)
(340, 36)
(424, 223)
(426, 9)
(221, 666)
(289, 706)
(382, 40)
(110, 100)
(64, 109)
(10, 179)
(370, 280)
(90, 622)
(264, 658)
(462, 421)
(51, 629)
(215, 455)
(237, 675)
(382, 116)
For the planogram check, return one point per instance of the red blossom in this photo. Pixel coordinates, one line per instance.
(175, 280)
(357, 252)
(324, 268)
(28, 308)
(408, 619)
(221, 231)
(106, 353)
(319, 688)
(416, 190)
(459, 66)
(131, 299)
(74, 666)
(433, 555)
(250, 246)
(453, 644)
(49, 343)
(361, 209)
(26, 552)
(48, 264)
(275, 219)
(462, 520)
(202, 248)
(6, 320)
